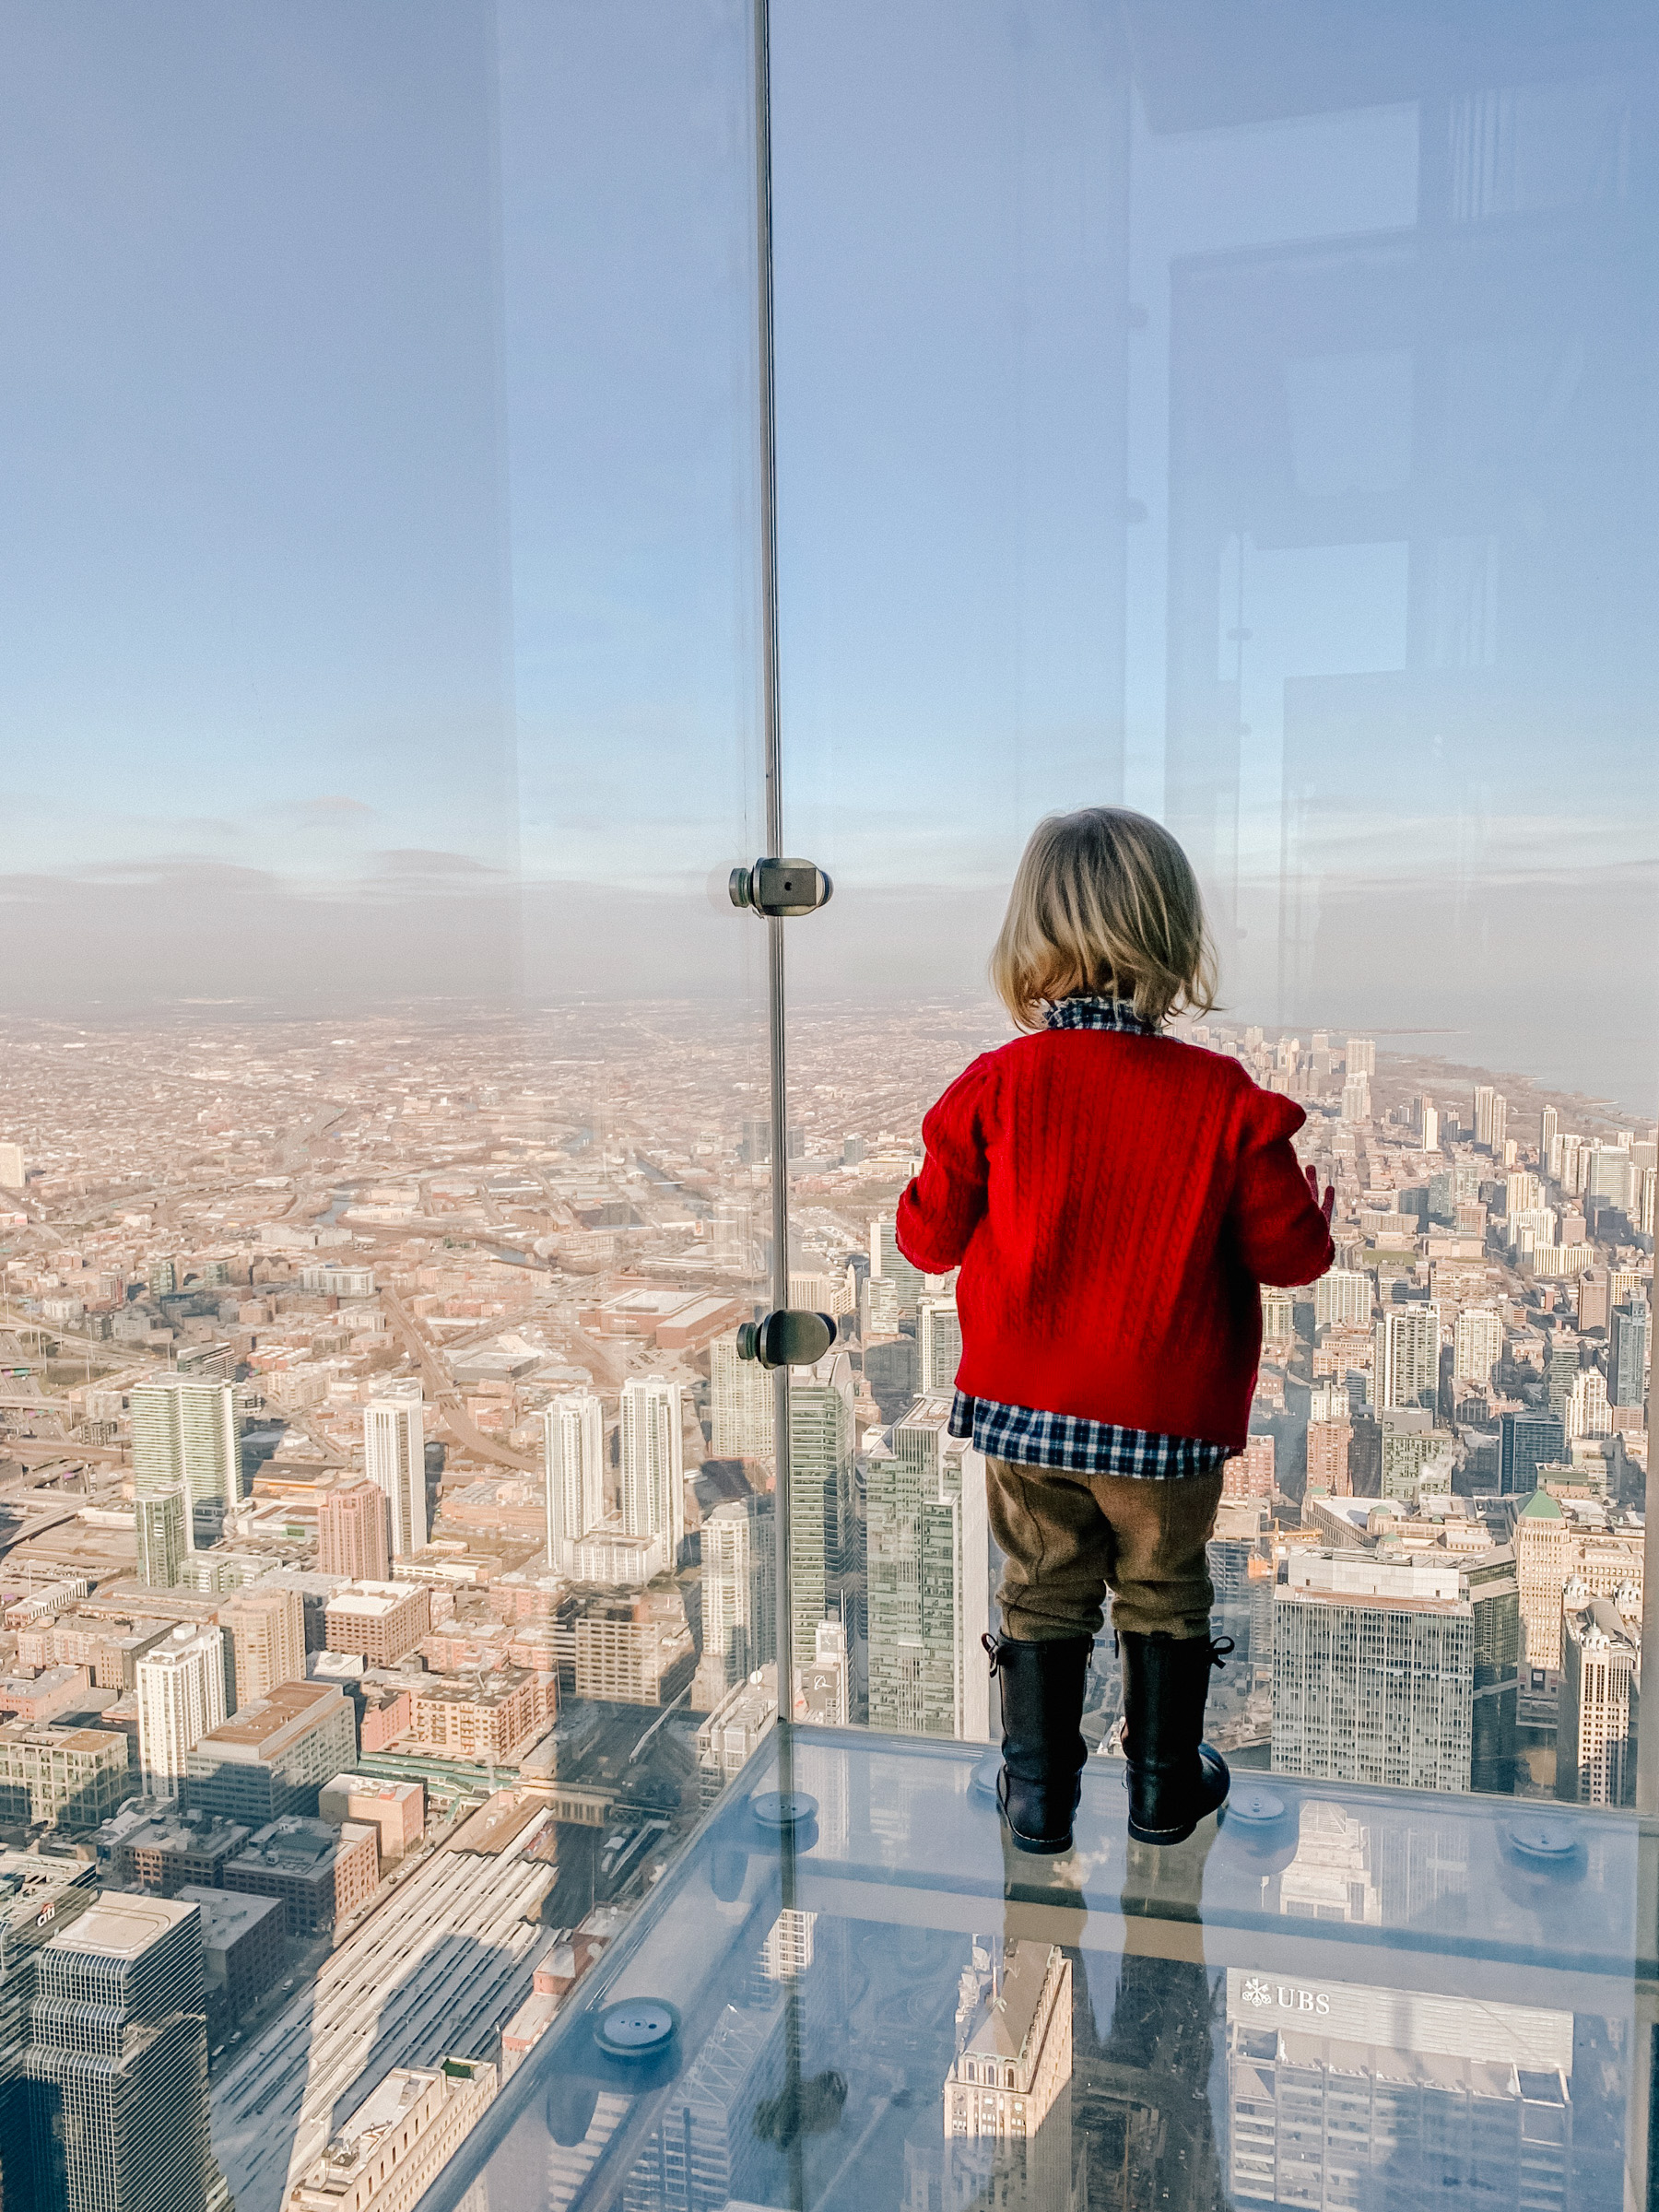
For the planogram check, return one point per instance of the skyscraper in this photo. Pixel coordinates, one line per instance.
(186, 1436)
(1477, 1344)
(820, 1488)
(653, 1499)
(890, 1262)
(1373, 1671)
(1601, 1674)
(13, 1171)
(1405, 1356)
(116, 2066)
(573, 1454)
(181, 1695)
(1356, 1099)
(158, 1519)
(1007, 2132)
(354, 1532)
(1628, 1353)
(740, 1404)
(395, 1458)
(1526, 1443)
(266, 1628)
(928, 1577)
(1360, 1056)
(739, 1595)
(939, 1339)
(1491, 1120)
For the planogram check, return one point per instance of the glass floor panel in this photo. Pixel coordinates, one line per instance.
(1334, 1998)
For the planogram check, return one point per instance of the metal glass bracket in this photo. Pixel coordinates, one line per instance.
(783, 889)
(789, 1338)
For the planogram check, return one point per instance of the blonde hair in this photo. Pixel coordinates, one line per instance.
(1105, 900)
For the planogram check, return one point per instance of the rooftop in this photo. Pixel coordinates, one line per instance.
(120, 1926)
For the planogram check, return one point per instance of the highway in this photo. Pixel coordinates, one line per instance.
(437, 1969)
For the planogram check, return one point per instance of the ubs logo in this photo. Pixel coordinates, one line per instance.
(1286, 1996)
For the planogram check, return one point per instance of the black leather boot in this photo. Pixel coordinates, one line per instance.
(1043, 1751)
(1175, 1778)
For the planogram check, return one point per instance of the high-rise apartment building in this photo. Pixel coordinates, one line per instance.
(1360, 1057)
(116, 2068)
(266, 1628)
(928, 1580)
(1250, 1473)
(383, 1622)
(1628, 1334)
(181, 1691)
(1587, 1412)
(653, 1451)
(186, 1436)
(573, 1455)
(820, 1487)
(159, 1520)
(877, 1308)
(1491, 1120)
(1328, 1444)
(394, 1461)
(14, 1171)
(1477, 1344)
(1356, 1099)
(354, 1532)
(1373, 1671)
(1601, 1678)
(1405, 1356)
(1342, 1297)
(739, 1595)
(740, 1404)
(890, 1262)
(939, 1341)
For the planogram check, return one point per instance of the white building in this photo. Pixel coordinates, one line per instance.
(394, 1459)
(1342, 1296)
(939, 1341)
(13, 1171)
(1405, 1356)
(573, 1453)
(1477, 1344)
(739, 1595)
(741, 1404)
(180, 1697)
(653, 1460)
(187, 1434)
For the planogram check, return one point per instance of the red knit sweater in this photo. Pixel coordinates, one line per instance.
(1113, 1201)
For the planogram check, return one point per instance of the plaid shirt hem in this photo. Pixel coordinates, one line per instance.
(1073, 1445)
(1067, 1442)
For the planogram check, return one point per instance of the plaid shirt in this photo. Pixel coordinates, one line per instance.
(1067, 1442)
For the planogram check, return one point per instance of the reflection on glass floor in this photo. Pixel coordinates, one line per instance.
(1369, 2000)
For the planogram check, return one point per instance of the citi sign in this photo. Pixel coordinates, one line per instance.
(1286, 1996)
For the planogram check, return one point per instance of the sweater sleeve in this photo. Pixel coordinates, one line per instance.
(1279, 1232)
(940, 1208)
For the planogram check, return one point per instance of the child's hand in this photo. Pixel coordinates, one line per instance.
(1327, 1205)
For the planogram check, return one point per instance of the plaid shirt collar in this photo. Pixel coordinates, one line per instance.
(1088, 1012)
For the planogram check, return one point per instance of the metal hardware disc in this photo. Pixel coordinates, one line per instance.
(782, 1810)
(638, 2028)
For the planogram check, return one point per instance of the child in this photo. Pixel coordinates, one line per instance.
(1114, 1200)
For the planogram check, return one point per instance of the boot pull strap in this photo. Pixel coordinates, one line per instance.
(1221, 1651)
(995, 1648)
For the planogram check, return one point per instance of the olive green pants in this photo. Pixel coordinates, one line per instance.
(1067, 1539)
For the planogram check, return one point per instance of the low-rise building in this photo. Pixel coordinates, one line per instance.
(243, 1946)
(394, 2145)
(490, 1720)
(396, 1808)
(175, 1850)
(321, 1873)
(383, 1621)
(57, 1777)
(627, 1653)
(271, 1758)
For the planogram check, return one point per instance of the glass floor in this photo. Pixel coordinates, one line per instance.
(847, 1993)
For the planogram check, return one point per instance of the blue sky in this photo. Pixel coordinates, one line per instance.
(378, 573)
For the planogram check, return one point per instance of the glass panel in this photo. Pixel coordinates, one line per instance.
(1360, 1998)
(1184, 408)
(383, 1058)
